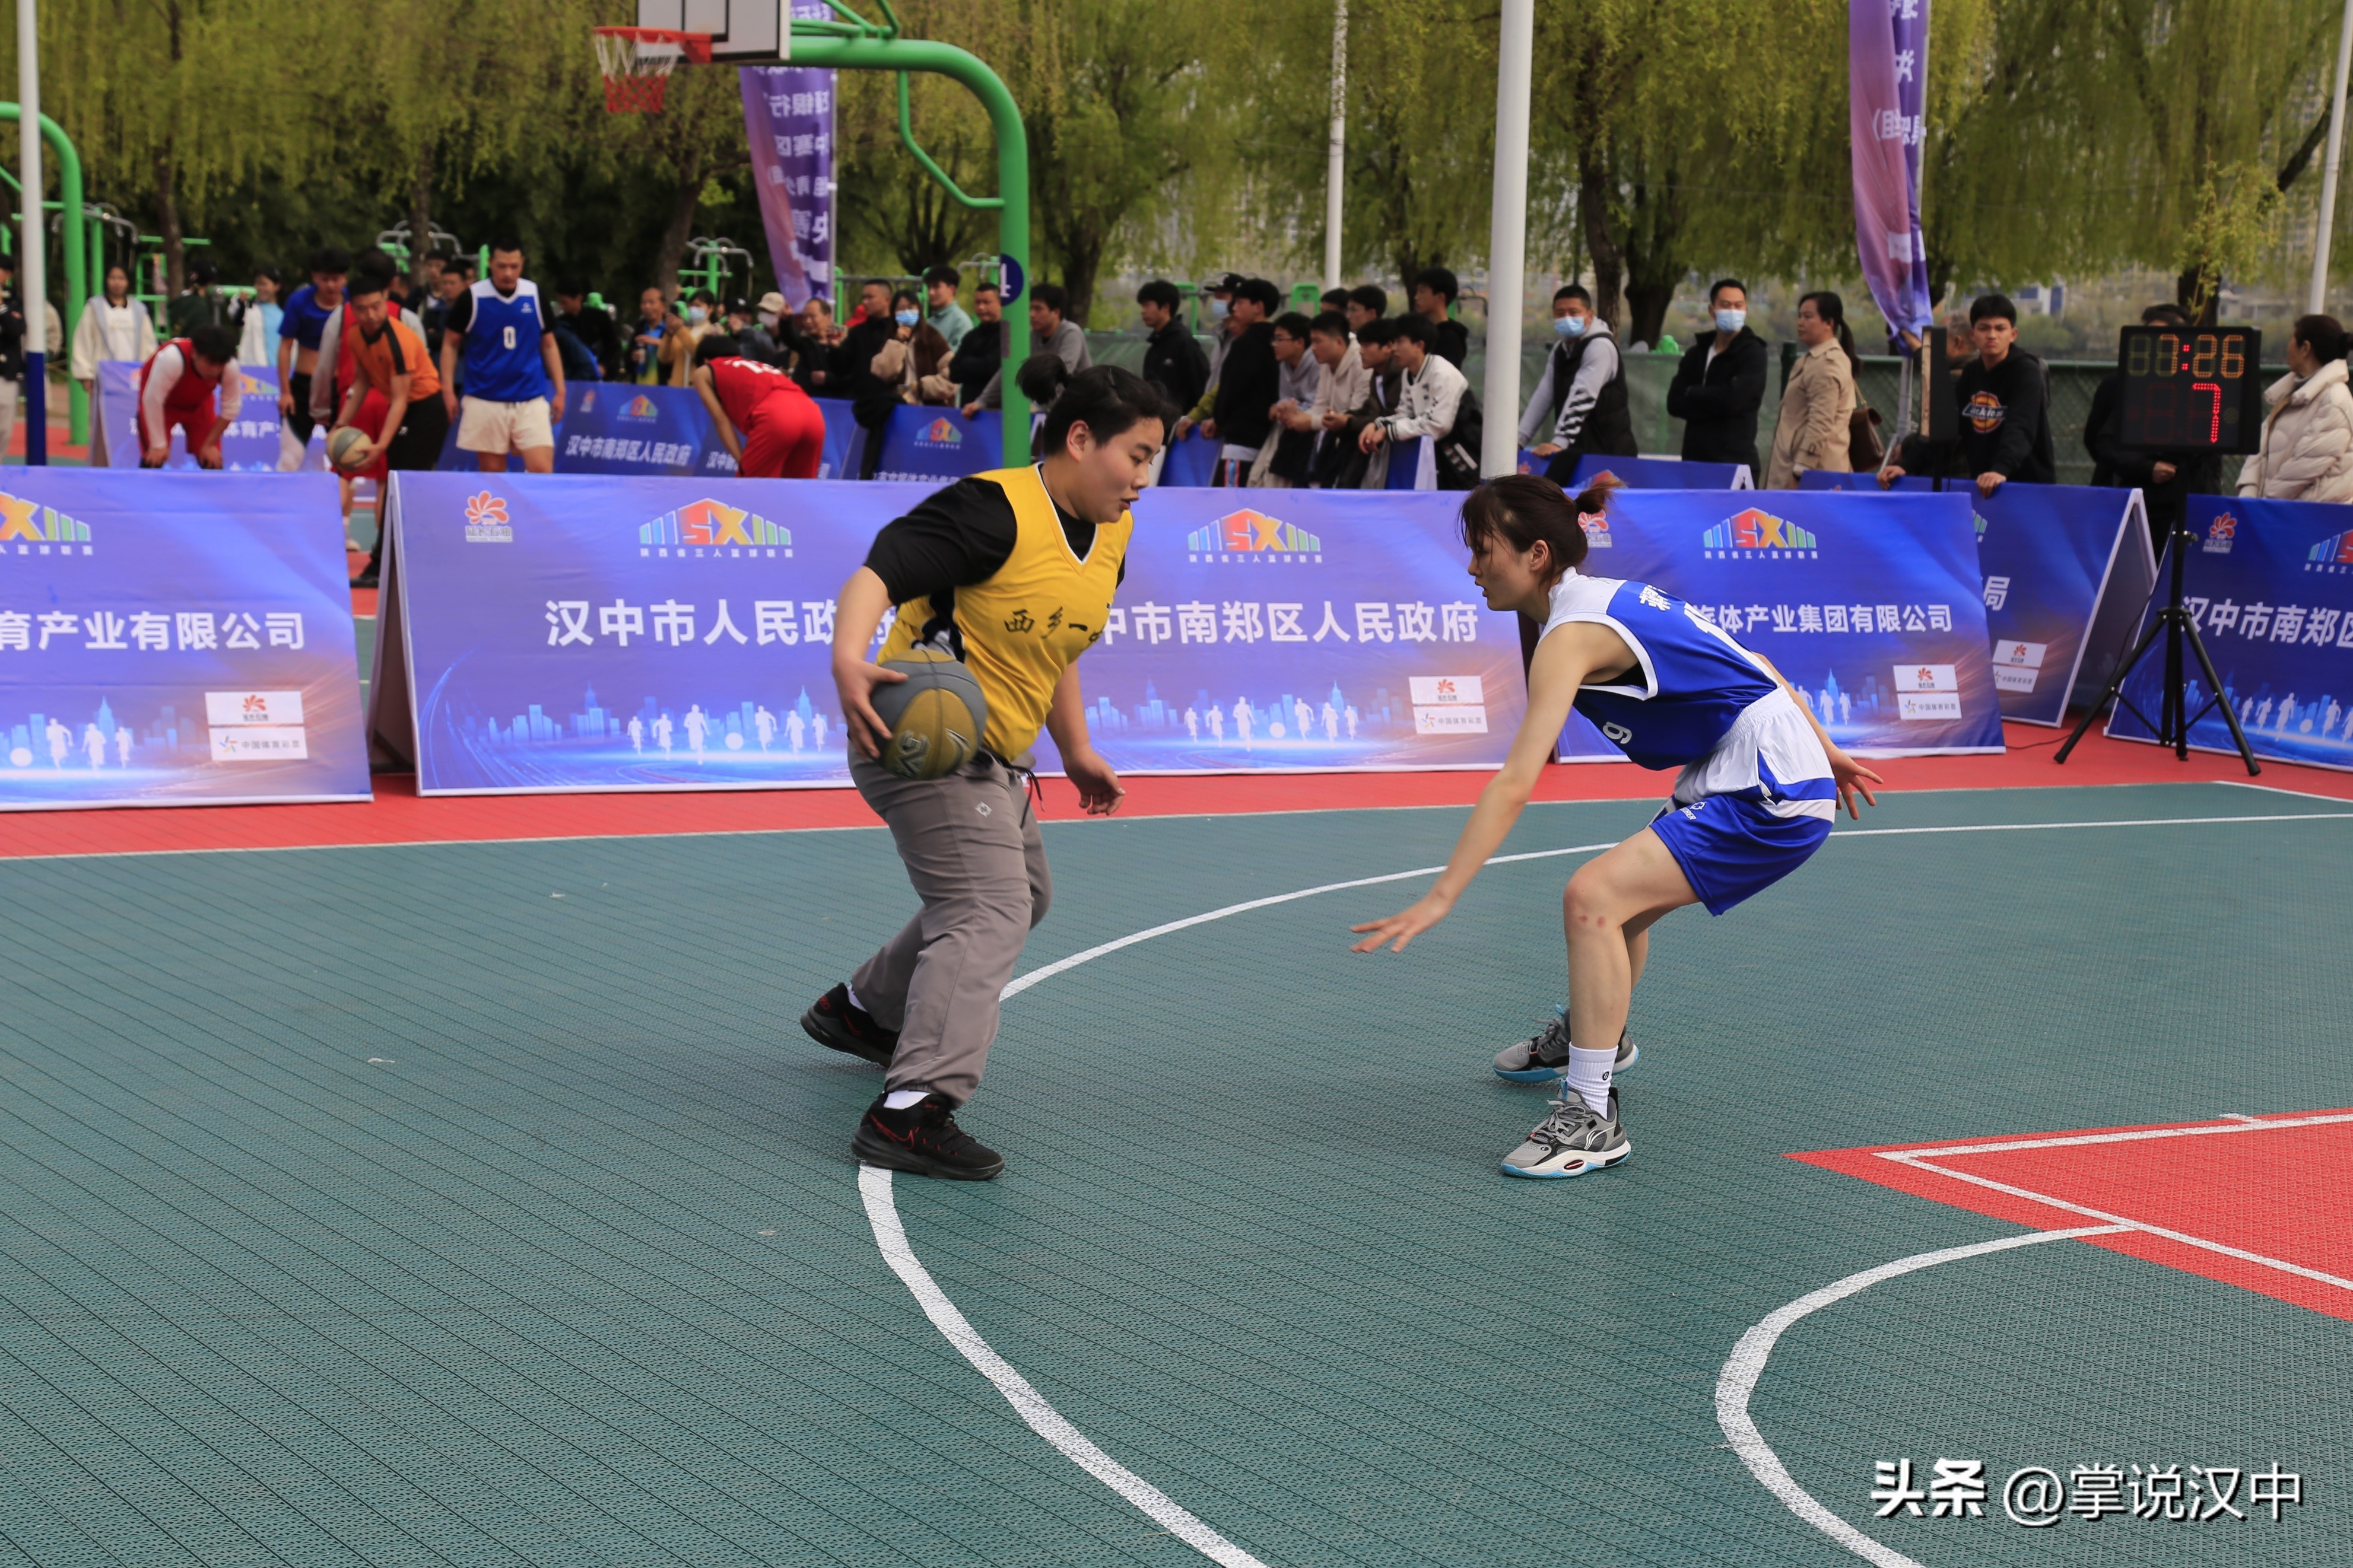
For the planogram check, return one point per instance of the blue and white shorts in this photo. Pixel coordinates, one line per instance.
(1730, 847)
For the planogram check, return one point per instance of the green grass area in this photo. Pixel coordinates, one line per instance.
(576, 1272)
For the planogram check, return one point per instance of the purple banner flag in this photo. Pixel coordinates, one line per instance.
(1887, 69)
(789, 113)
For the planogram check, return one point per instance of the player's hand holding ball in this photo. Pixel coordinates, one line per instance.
(348, 448)
(854, 681)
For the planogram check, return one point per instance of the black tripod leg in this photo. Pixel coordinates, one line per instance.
(2116, 688)
(2222, 700)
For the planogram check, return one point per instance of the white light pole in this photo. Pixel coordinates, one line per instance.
(1508, 235)
(32, 289)
(1337, 155)
(2328, 169)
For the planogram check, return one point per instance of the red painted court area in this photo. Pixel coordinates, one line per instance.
(2265, 1202)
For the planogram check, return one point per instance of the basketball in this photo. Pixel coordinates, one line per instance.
(937, 715)
(348, 447)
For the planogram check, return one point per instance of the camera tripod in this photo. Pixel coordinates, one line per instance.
(2172, 726)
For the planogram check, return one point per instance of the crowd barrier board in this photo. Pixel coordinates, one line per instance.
(1649, 473)
(562, 635)
(1872, 607)
(2269, 585)
(252, 444)
(174, 639)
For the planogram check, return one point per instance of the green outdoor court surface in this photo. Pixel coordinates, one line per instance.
(482, 1204)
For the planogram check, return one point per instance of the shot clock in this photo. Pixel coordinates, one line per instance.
(2192, 389)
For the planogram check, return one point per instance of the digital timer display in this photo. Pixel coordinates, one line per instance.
(2192, 389)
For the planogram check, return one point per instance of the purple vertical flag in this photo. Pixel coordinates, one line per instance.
(788, 112)
(1887, 69)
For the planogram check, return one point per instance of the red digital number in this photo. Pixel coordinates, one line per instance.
(2214, 433)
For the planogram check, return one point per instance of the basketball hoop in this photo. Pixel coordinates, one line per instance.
(636, 63)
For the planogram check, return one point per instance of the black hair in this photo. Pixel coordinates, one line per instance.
(987, 285)
(1986, 305)
(947, 275)
(443, 256)
(1334, 300)
(572, 288)
(1265, 295)
(202, 271)
(1721, 284)
(1040, 378)
(1053, 296)
(906, 297)
(703, 297)
(1827, 305)
(373, 266)
(270, 272)
(717, 345)
(1372, 297)
(1294, 324)
(1523, 509)
(365, 280)
(217, 344)
(1109, 401)
(1160, 292)
(2324, 335)
(1379, 331)
(1437, 281)
(1416, 328)
(1332, 324)
(1573, 291)
(507, 242)
(2166, 315)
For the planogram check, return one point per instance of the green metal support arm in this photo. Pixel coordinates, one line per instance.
(76, 269)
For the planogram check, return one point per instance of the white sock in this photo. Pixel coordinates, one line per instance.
(850, 992)
(900, 1099)
(1588, 1074)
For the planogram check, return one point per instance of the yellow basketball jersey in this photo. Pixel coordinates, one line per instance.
(1022, 627)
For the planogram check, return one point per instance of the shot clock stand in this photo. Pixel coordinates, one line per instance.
(2157, 363)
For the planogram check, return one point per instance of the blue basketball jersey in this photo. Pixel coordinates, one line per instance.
(503, 352)
(1690, 684)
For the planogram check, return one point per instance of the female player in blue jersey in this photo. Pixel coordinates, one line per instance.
(1754, 799)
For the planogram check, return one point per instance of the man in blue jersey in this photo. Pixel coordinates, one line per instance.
(308, 311)
(514, 374)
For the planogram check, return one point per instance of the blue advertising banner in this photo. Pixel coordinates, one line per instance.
(1191, 463)
(249, 446)
(558, 633)
(1651, 473)
(2067, 570)
(2270, 588)
(1316, 631)
(1869, 606)
(1823, 480)
(174, 639)
(844, 443)
(930, 445)
(618, 428)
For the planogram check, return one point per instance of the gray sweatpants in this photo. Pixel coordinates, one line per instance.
(972, 851)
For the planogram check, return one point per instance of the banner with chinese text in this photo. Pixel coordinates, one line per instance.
(2269, 585)
(2067, 570)
(174, 639)
(1870, 605)
(789, 117)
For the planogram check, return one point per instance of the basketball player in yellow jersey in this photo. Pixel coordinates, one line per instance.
(1012, 572)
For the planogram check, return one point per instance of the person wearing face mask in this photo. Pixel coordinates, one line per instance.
(762, 337)
(689, 327)
(878, 384)
(1579, 402)
(1720, 384)
(1219, 293)
(973, 572)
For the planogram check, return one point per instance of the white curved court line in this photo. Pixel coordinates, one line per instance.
(1740, 1374)
(890, 1236)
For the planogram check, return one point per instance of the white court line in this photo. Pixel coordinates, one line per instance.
(891, 1236)
(2238, 1123)
(1738, 1381)
(2185, 1238)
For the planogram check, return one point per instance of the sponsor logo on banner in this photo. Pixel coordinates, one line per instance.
(706, 526)
(1442, 690)
(2333, 554)
(2220, 533)
(939, 433)
(1254, 536)
(1597, 528)
(486, 521)
(1929, 705)
(2023, 655)
(28, 528)
(1458, 718)
(253, 707)
(1927, 677)
(1756, 535)
(641, 408)
(261, 743)
(2007, 678)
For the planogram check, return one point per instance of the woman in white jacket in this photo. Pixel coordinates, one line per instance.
(2307, 450)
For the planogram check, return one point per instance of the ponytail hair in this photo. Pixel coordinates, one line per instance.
(1522, 509)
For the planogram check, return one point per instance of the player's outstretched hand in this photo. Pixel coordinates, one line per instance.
(1401, 927)
(1854, 779)
(1096, 780)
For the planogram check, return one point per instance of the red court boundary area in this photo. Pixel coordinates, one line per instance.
(399, 816)
(2265, 1202)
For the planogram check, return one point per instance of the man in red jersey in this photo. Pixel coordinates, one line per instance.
(770, 426)
(192, 384)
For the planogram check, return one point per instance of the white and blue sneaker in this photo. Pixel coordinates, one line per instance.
(1543, 1057)
(1571, 1142)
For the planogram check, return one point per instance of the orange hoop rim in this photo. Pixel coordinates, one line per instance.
(694, 48)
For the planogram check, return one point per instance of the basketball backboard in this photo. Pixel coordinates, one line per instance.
(739, 29)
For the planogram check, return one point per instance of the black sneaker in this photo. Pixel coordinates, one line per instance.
(923, 1139)
(834, 1022)
(366, 579)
